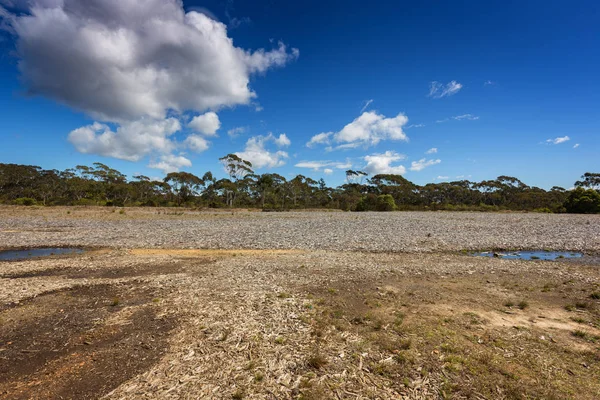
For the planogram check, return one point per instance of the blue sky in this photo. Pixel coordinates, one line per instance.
(497, 88)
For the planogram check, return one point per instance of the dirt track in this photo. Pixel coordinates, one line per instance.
(310, 322)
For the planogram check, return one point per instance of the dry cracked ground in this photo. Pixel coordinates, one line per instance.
(188, 304)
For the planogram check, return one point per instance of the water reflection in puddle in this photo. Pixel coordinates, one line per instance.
(12, 255)
(529, 255)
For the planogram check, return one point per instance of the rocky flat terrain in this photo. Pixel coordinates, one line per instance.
(187, 304)
(398, 231)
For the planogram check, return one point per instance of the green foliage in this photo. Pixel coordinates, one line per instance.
(371, 202)
(25, 201)
(583, 201)
(385, 202)
(99, 184)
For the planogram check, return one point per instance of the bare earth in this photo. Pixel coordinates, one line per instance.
(186, 305)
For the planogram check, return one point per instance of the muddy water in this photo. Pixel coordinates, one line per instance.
(529, 255)
(12, 255)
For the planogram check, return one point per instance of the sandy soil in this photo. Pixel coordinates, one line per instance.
(408, 316)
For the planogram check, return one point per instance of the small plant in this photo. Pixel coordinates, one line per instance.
(238, 394)
(581, 305)
(595, 296)
(284, 295)
(508, 304)
(523, 305)
(122, 212)
(377, 325)
(578, 320)
(259, 376)
(316, 361)
(250, 366)
(280, 340)
(570, 307)
(535, 258)
(332, 291)
(68, 212)
(579, 333)
(115, 302)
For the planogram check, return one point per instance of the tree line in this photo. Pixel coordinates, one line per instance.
(101, 185)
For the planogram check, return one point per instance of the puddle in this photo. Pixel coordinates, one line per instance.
(13, 255)
(529, 255)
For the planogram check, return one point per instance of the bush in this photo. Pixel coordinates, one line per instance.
(25, 201)
(385, 202)
(583, 201)
(371, 202)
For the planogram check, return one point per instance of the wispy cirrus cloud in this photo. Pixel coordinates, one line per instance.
(432, 150)
(367, 104)
(238, 131)
(469, 117)
(318, 165)
(437, 90)
(463, 117)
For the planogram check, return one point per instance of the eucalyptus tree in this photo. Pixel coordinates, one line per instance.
(589, 180)
(184, 184)
(237, 168)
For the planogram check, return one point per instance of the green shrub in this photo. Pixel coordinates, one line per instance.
(583, 201)
(372, 202)
(25, 201)
(385, 202)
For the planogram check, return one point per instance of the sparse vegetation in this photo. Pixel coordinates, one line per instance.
(523, 305)
(250, 322)
(316, 360)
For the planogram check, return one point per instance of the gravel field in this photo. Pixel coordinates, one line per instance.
(399, 231)
(175, 304)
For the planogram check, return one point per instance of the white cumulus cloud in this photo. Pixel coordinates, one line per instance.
(422, 164)
(196, 143)
(321, 138)
(432, 150)
(576, 145)
(130, 141)
(126, 59)
(170, 163)
(558, 140)
(207, 124)
(367, 130)
(381, 163)
(260, 156)
(134, 62)
(437, 90)
(328, 171)
(282, 140)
